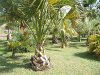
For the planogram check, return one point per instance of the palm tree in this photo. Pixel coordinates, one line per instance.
(41, 20)
(72, 15)
(38, 23)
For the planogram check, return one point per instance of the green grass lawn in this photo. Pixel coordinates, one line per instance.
(73, 60)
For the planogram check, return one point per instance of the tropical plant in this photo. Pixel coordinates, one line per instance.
(70, 15)
(41, 22)
(63, 39)
(94, 44)
(20, 42)
(39, 25)
(56, 27)
(54, 35)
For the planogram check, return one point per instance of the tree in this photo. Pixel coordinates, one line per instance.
(38, 23)
(89, 3)
(10, 12)
(42, 20)
(72, 16)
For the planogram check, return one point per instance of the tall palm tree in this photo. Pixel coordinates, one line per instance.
(71, 15)
(38, 19)
(42, 20)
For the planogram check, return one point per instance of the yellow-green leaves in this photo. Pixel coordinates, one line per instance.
(69, 30)
(92, 38)
(65, 10)
(52, 1)
(94, 44)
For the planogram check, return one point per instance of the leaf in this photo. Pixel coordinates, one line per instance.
(65, 10)
(71, 14)
(52, 1)
(74, 24)
(66, 27)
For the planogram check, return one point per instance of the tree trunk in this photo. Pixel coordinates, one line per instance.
(63, 45)
(54, 39)
(40, 61)
(22, 27)
(79, 38)
(9, 37)
(39, 48)
(13, 53)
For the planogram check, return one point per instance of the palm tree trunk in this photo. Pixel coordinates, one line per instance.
(63, 45)
(39, 48)
(9, 37)
(22, 27)
(40, 61)
(54, 39)
(13, 53)
(79, 38)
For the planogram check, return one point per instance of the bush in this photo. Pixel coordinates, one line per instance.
(94, 44)
(21, 42)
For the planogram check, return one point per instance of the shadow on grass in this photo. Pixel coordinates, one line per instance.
(2, 42)
(3, 50)
(77, 44)
(87, 55)
(7, 64)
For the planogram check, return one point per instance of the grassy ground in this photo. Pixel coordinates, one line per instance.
(73, 60)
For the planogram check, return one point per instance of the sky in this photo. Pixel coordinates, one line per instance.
(97, 1)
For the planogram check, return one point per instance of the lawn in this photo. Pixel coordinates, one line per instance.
(73, 60)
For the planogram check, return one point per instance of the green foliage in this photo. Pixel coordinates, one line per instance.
(86, 3)
(63, 38)
(82, 27)
(94, 44)
(21, 42)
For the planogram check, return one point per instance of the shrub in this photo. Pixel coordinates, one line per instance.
(20, 43)
(94, 44)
